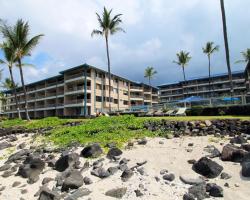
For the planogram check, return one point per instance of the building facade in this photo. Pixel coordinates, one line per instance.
(219, 87)
(80, 91)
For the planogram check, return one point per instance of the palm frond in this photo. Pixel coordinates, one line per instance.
(31, 44)
(96, 32)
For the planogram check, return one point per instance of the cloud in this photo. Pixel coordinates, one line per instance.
(155, 31)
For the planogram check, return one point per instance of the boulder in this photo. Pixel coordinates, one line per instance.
(245, 169)
(47, 194)
(18, 156)
(169, 177)
(74, 180)
(142, 141)
(207, 168)
(31, 169)
(117, 193)
(4, 145)
(92, 151)
(100, 172)
(126, 175)
(113, 152)
(214, 190)
(5, 167)
(78, 194)
(246, 147)
(198, 192)
(225, 176)
(87, 180)
(232, 153)
(188, 179)
(238, 140)
(65, 161)
(213, 151)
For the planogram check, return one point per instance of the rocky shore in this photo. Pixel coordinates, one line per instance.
(198, 160)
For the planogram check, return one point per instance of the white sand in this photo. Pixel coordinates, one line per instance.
(172, 155)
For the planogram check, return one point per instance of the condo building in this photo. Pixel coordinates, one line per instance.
(247, 76)
(219, 87)
(79, 91)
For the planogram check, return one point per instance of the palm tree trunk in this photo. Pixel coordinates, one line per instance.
(12, 80)
(184, 76)
(226, 45)
(24, 89)
(209, 76)
(149, 81)
(109, 73)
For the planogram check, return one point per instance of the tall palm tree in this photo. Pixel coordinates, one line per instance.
(183, 59)
(8, 84)
(149, 73)
(17, 36)
(9, 55)
(209, 49)
(245, 55)
(226, 46)
(108, 26)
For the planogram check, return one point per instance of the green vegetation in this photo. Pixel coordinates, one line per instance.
(35, 124)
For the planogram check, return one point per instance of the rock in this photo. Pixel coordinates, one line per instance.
(31, 169)
(188, 179)
(192, 161)
(6, 174)
(141, 171)
(113, 152)
(18, 156)
(123, 161)
(74, 180)
(16, 183)
(87, 180)
(169, 177)
(24, 191)
(198, 191)
(225, 176)
(142, 141)
(47, 194)
(226, 185)
(65, 161)
(163, 171)
(100, 172)
(232, 153)
(126, 175)
(208, 123)
(161, 142)
(5, 167)
(246, 147)
(214, 190)
(188, 197)
(4, 145)
(213, 151)
(123, 167)
(92, 151)
(207, 168)
(117, 192)
(2, 188)
(78, 194)
(245, 169)
(238, 140)
(157, 179)
(47, 180)
(21, 146)
(112, 170)
(138, 193)
(190, 144)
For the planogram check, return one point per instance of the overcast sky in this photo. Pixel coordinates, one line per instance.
(155, 31)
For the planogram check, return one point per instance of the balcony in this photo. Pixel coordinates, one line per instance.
(77, 89)
(136, 89)
(76, 102)
(75, 77)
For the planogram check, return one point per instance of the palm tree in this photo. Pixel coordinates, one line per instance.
(8, 84)
(149, 73)
(9, 55)
(226, 45)
(245, 55)
(183, 59)
(108, 26)
(17, 36)
(209, 49)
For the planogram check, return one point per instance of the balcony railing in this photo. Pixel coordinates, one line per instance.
(77, 88)
(77, 101)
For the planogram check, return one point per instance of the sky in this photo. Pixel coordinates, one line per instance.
(155, 31)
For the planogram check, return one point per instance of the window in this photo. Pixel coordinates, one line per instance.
(125, 102)
(115, 90)
(115, 101)
(98, 98)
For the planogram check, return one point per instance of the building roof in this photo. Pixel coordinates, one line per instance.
(203, 77)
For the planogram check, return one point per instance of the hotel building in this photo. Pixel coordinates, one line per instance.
(219, 87)
(80, 91)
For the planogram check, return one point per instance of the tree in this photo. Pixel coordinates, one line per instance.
(246, 56)
(17, 37)
(108, 26)
(9, 55)
(149, 73)
(209, 49)
(223, 15)
(8, 84)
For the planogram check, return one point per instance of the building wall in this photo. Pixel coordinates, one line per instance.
(219, 87)
(64, 95)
